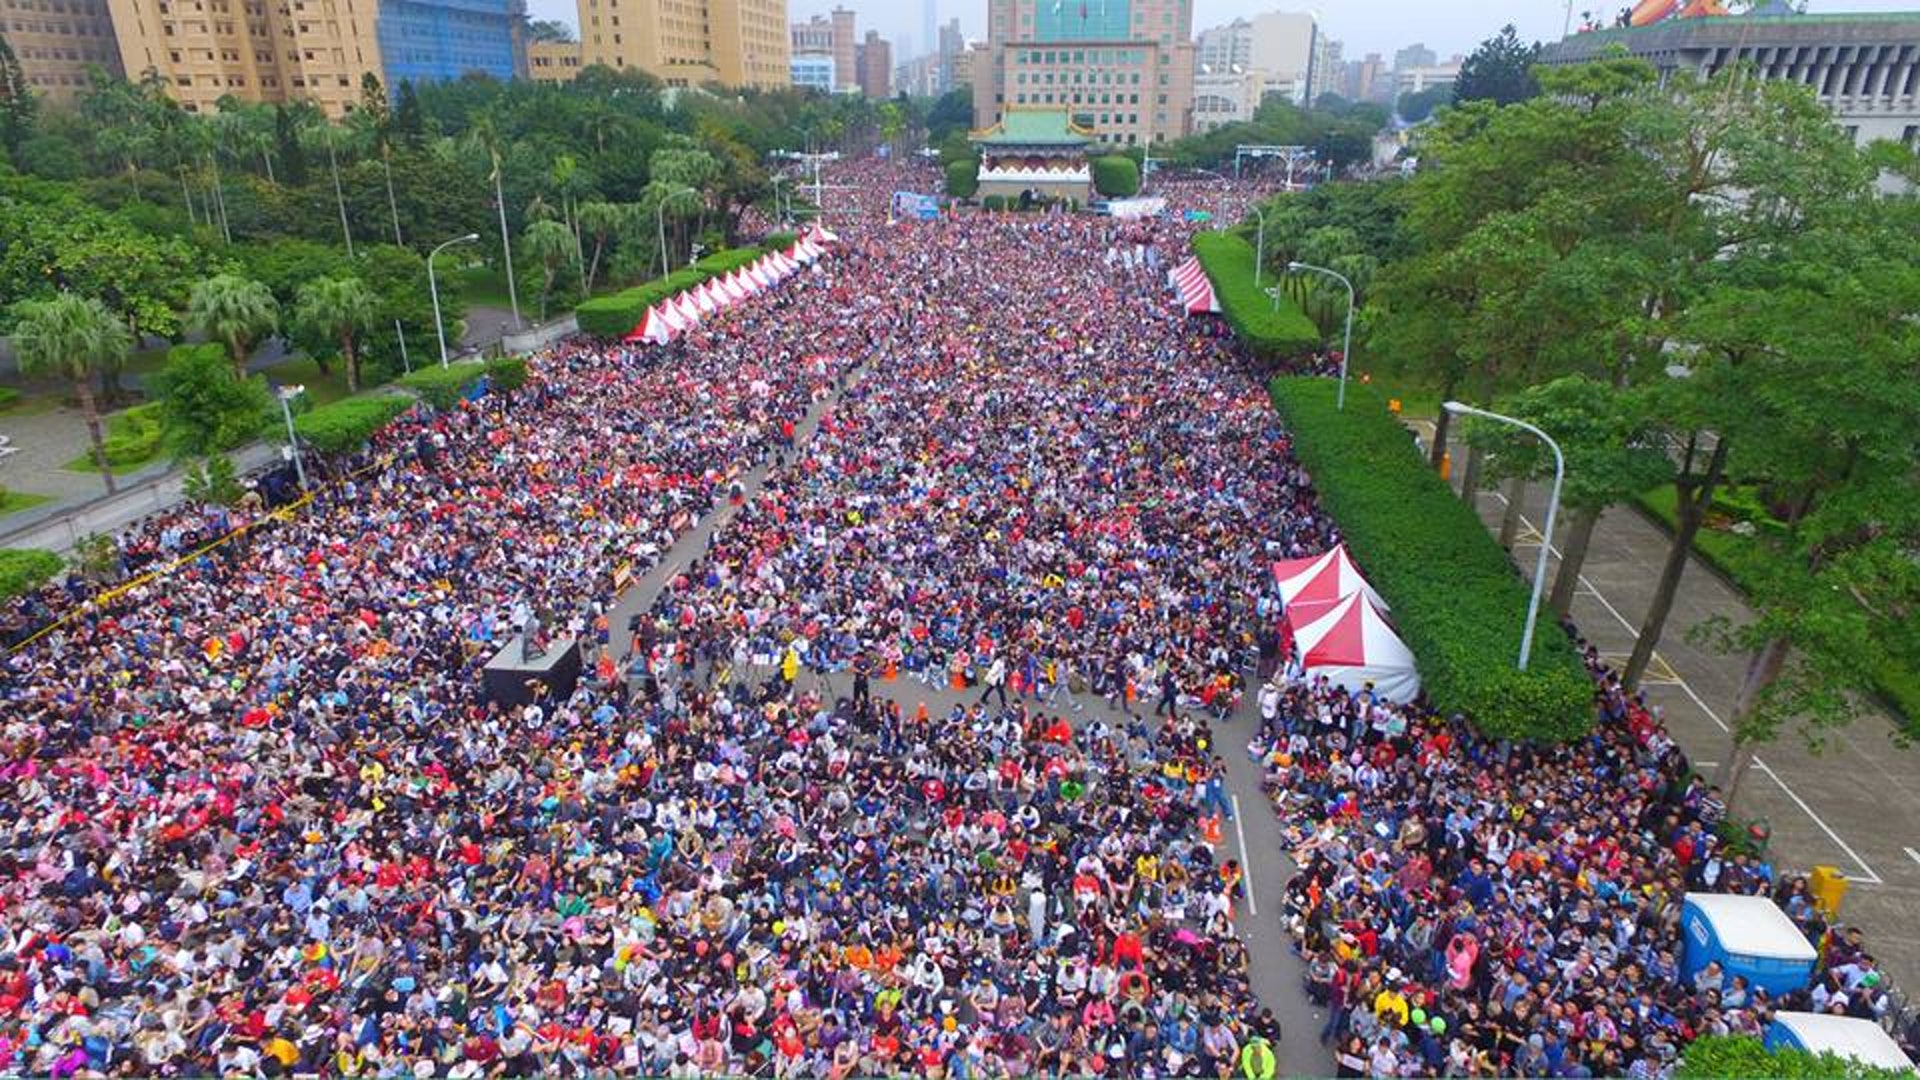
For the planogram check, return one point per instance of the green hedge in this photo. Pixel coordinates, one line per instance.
(1116, 176)
(616, 316)
(963, 178)
(1745, 1057)
(23, 570)
(507, 373)
(348, 424)
(442, 387)
(1456, 599)
(1282, 333)
(133, 436)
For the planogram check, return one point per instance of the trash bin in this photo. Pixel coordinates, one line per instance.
(1828, 886)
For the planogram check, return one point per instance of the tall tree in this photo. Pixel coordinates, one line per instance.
(206, 407)
(1500, 70)
(316, 133)
(18, 105)
(238, 312)
(341, 308)
(552, 244)
(375, 124)
(74, 338)
(600, 220)
(484, 139)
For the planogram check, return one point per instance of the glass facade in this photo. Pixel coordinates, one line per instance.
(439, 40)
(1083, 20)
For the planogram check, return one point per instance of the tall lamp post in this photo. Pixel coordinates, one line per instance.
(660, 220)
(1346, 348)
(286, 394)
(1553, 508)
(1260, 245)
(440, 328)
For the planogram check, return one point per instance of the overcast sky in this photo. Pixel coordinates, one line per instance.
(1382, 26)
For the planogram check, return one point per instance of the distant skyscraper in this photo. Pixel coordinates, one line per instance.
(953, 69)
(1123, 68)
(1413, 56)
(929, 27)
(875, 63)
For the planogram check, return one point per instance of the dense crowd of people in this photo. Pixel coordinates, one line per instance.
(911, 766)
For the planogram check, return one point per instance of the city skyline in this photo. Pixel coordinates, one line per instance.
(1446, 27)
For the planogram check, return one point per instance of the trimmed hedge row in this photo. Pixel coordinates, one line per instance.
(442, 387)
(23, 570)
(348, 424)
(616, 316)
(1282, 333)
(1456, 600)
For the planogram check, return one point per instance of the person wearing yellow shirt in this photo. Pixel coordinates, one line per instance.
(1391, 1005)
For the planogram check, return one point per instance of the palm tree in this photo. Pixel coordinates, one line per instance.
(601, 219)
(72, 337)
(238, 312)
(338, 308)
(316, 132)
(552, 244)
(484, 137)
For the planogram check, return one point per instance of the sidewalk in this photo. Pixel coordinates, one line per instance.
(1856, 806)
(57, 526)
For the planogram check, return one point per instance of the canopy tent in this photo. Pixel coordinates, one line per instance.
(781, 264)
(823, 234)
(762, 272)
(1196, 292)
(803, 253)
(730, 289)
(670, 315)
(703, 299)
(689, 311)
(1850, 1037)
(653, 328)
(1352, 645)
(1311, 586)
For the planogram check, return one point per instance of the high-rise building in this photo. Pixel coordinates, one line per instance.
(929, 30)
(553, 61)
(56, 43)
(1122, 68)
(918, 77)
(953, 67)
(690, 42)
(437, 40)
(874, 61)
(1413, 56)
(1323, 75)
(812, 71)
(1366, 80)
(832, 37)
(256, 50)
(846, 72)
(1241, 64)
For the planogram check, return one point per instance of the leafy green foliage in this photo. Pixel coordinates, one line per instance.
(214, 481)
(1339, 136)
(1116, 176)
(963, 178)
(442, 387)
(347, 425)
(1418, 105)
(1745, 1057)
(1228, 260)
(23, 570)
(203, 406)
(236, 311)
(1500, 70)
(1456, 599)
(134, 436)
(507, 373)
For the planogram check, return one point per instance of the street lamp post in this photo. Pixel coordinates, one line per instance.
(1260, 245)
(439, 328)
(286, 394)
(1553, 508)
(1346, 347)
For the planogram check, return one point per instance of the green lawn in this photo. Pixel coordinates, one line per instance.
(12, 501)
(1416, 398)
(85, 464)
(1740, 559)
(302, 371)
(482, 286)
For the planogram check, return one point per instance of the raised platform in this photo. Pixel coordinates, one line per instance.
(512, 681)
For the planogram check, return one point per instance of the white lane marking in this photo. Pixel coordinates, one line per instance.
(1246, 864)
(1912, 854)
(1871, 877)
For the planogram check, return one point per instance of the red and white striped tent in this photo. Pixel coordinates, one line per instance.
(670, 315)
(1196, 292)
(653, 327)
(1310, 587)
(702, 298)
(724, 287)
(783, 265)
(762, 272)
(689, 311)
(1352, 645)
(821, 234)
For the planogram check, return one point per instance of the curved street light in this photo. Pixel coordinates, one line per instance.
(1346, 348)
(1553, 507)
(439, 328)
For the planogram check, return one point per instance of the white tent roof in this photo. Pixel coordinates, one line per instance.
(1753, 926)
(703, 299)
(1353, 645)
(689, 311)
(653, 328)
(670, 314)
(1311, 586)
(1861, 1040)
(762, 272)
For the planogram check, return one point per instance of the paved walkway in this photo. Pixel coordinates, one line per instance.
(1856, 806)
(1276, 972)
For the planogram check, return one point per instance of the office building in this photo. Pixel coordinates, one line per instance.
(919, 77)
(1366, 80)
(929, 30)
(846, 73)
(954, 68)
(438, 40)
(553, 61)
(1412, 80)
(1413, 56)
(1864, 67)
(832, 38)
(1280, 54)
(1277, 42)
(1121, 68)
(57, 42)
(743, 43)
(256, 50)
(812, 71)
(873, 61)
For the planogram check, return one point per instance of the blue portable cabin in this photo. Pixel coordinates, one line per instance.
(1750, 936)
(1857, 1040)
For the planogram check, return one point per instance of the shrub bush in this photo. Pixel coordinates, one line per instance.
(507, 373)
(23, 570)
(963, 178)
(133, 437)
(442, 387)
(1456, 599)
(995, 202)
(1745, 1057)
(1279, 334)
(1116, 176)
(9, 397)
(347, 425)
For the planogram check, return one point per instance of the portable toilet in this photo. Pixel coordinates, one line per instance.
(1750, 936)
(1858, 1040)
